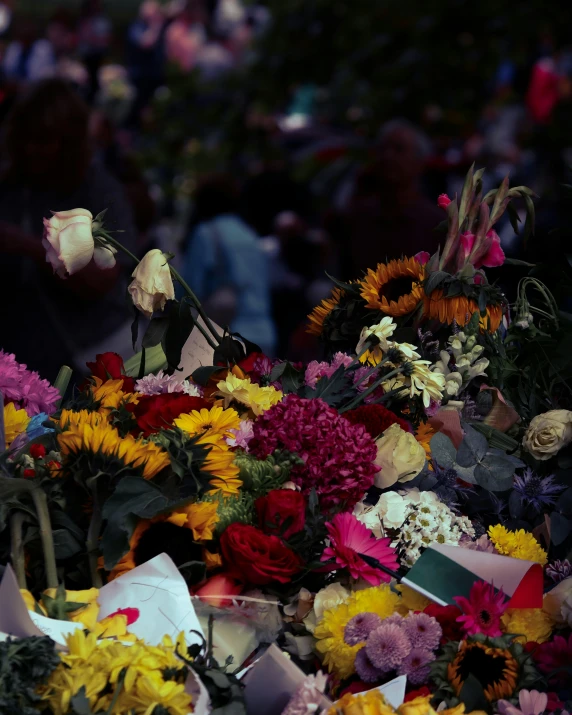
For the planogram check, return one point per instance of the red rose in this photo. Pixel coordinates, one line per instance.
(419, 693)
(257, 558)
(278, 506)
(37, 451)
(156, 412)
(376, 419)
(447, 618)
(109, 366)
(247, 364)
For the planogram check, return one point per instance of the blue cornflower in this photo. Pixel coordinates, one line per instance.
(538, 492)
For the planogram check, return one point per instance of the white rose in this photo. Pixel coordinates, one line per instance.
(68, 240)
(548, 433)
(152, 285)
(558, 602)
(393, 509)
(399, 455)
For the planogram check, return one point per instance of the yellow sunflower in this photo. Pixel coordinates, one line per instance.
(199, 518)
(220, 463)
(497, 668)
(459, 308)
(214, 421)
(15, 422)
(69, 418)
(110, 395)
(394, 288)
(104, 439)
(321, 312)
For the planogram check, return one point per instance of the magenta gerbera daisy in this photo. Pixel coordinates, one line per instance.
(349, 541)
(338, 458)
(482, 611)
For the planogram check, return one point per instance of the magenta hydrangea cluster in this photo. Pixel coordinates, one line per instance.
(25, 388)
(338, 457)
(404, 645)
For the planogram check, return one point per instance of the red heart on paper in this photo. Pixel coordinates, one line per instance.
(132, 614)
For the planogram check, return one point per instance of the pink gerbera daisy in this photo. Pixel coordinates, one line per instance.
(482, 610)
(349, 541)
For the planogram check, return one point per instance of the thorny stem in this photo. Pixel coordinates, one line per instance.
(17, 547)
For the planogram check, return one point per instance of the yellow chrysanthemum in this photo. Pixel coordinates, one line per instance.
(151, 691)
(242, 390)
(447, 309)
(518, 544)
(214, 421)
(421, 705)
(338, 656)
(104, 439)
(321, 312)
(530, 624)
(372, 702)
(394, 288)
(15, 422)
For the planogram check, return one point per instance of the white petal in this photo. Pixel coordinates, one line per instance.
(104, 257)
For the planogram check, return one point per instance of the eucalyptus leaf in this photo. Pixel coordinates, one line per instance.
(560, 528)
(494, 474)
(472, 449)
(443, 450)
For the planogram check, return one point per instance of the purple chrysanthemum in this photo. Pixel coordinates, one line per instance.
(160, 384)
(359, 627)
(535, 491)
(423, 631)
(365, 669)
(387, 647)
(416, 666)
(394, 618)
(25, 388)
(558, 570)
(338, 457)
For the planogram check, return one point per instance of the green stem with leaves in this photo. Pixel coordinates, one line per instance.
(17, 555)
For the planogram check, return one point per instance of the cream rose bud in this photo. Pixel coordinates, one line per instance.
(558, 603)
(399, 455)
(548, 433)
(68, 240)
(152, 285)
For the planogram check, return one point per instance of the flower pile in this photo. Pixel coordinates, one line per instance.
(301, 503)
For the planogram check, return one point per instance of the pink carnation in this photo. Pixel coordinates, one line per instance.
(25, 388)
(339, 458)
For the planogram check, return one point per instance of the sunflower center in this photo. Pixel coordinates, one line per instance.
(487, 668)
(170, 539)
(396, 287)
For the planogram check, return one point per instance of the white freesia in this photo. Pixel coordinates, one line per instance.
(152, 285)
(392, 509)
(68, 240)
(399, 455)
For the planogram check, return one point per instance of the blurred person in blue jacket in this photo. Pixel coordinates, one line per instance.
(226, 266)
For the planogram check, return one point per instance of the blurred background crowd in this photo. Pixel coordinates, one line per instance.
(267, 145)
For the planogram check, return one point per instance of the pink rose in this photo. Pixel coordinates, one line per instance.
(443, 201)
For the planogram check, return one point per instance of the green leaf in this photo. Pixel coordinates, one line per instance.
(564, 502)
(277, 370)
(473, 695)
(292, 379)
(133, 497)
(203, 374)
(435, 280)
(155, 332)
(193, 572)
(80, 703)
(495, 474)
(443, 450)
(65, 544)
(560, 527)
(472, 449)
(181, 323)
